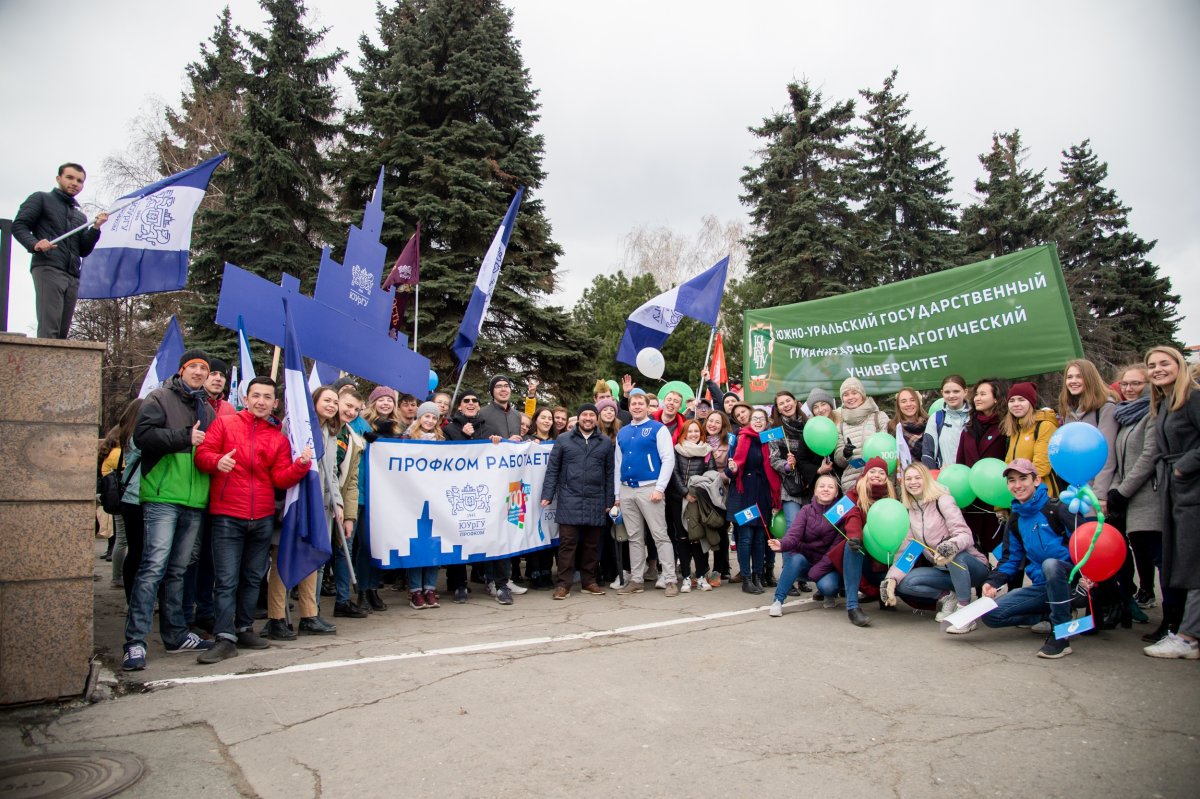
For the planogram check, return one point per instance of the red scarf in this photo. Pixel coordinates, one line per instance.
(745, 436)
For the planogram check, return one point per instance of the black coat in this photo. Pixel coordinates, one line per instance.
(48, 215)
(1178, 435)
(454, 428)
(687, 467)
(580, 476)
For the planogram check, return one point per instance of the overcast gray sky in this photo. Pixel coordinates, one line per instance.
(645, 105)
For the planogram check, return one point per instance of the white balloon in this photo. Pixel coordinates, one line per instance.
(650, 363)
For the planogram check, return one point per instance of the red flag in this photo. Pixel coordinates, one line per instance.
(716, 369)
(404, 276)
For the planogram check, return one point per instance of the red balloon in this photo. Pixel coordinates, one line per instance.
(935, 473)
(1106, 558)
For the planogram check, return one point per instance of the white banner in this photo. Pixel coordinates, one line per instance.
(443, 503)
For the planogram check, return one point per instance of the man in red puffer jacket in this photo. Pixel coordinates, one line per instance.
(248, 458)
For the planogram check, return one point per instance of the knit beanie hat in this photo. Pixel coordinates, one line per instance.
(498, 379)
(217, 365)
(852, 384)
(588, 406)
(1026, 390)
(381, 391)
(605, 403)
(429, 407)
(876, 462)
(820, 395)
(193, 354)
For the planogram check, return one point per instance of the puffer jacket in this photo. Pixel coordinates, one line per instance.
(1034, 445)
(810, 533)
(164, 436)
(48, 215)
(579, 477)
(932, 523)
(263, 463)
(688, 466)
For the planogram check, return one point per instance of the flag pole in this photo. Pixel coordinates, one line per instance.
(416, 313)
(708, 354)
(275, 364)
(458, 385)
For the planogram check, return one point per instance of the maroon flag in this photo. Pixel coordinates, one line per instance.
(404, 276)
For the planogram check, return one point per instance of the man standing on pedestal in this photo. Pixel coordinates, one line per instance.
(44, 216)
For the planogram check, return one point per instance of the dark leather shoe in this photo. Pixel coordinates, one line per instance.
(375, 601)
(347, 610)
(858, 618)
(279, 630)
(248, 639)
(315, 625)
(223, 649)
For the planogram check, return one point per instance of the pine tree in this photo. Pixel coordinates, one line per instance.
(1122, 305)
(277, 214)
(447, 107)
(1011, 212)
(806, 239)
(910, 223)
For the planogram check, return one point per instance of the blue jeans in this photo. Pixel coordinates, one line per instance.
(852, 566)
(751, 548)
(198, 579)
(795, 567)
(170, 538)
(423, 578)
(240, 548)
(365, 569)
(927, 582)
(1032, 603)
(496, 571)
(341, 571)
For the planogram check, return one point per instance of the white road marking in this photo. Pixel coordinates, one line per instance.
(463, 650)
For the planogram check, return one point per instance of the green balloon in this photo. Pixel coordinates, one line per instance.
(887, 525)
(676, 385)
(821, 435)
(957, 480)
(936, 406)
(989, 483)
(616, 389)
(779, 525)
(881, 445)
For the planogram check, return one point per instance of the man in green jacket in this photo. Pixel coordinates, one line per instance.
(174, 494)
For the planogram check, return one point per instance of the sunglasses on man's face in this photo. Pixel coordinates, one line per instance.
(471, 401)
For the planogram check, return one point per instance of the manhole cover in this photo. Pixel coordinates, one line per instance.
(73, 775)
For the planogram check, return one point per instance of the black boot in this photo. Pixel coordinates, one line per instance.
(858, 618)
(375, 601)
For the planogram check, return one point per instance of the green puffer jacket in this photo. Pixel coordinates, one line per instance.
(164, 435)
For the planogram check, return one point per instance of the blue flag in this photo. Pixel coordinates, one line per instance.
(732, 439)
(485, 284)
(304, 542)
(773, 434)
(166, 360)
(908, 557)
(698, 298)
(247, 363)
(1074, 627)
(840, 509)
(748, 515)
(144, 245)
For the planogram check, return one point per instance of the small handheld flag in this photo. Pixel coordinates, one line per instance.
(1074, 627)
(748, 515)
(839, 509)
(717, 371)
(908, 557)
(144, 246)
(773, 434)
(165, 360)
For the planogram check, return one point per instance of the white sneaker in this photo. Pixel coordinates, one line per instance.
(516, 589)
(491, 589)
(620, 581)
(952, 630)
(1043, 627)
(703, 584)
(946, 605)
(1174, 646)
(776, 609)
(685, 585)
(661, 582)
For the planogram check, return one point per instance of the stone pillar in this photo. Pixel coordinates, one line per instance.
(49, 421)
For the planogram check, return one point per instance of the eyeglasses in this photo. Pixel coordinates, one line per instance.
(1132, 383)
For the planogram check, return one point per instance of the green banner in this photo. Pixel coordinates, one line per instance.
(1007, 317)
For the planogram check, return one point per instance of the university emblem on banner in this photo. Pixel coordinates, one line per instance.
(759, 346)
(468, 499)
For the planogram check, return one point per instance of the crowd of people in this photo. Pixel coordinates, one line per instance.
(660, 492)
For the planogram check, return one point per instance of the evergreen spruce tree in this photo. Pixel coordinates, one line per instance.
(805, 243)
(1011, 212)
(909, 221)
(1122, 305)
(445, 105)
(277, 214)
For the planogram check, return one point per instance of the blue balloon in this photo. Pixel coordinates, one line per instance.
(1078, 452)
(433, 380)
